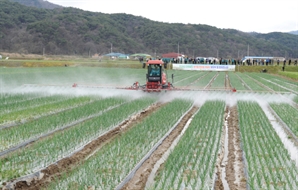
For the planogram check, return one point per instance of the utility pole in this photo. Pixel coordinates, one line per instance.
(247, 49)
(178, 48)
(111, 47)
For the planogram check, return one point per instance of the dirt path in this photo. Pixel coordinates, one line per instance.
(65, 165)
(227, 81)
(233, 167)
(140, 178)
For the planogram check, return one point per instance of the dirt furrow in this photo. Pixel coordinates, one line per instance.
(141, 176)
(227, 81)
(55, 170)
(234, 167)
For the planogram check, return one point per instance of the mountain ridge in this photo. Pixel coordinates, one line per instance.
(38, 4)
(26, 29)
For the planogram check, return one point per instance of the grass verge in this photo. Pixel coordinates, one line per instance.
(292, 75)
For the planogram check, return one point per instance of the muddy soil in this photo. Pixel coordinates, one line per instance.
(234, 167)
(65, 165)
(140, 178)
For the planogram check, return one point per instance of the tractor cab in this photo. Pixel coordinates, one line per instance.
(154, 72)
(156, 77)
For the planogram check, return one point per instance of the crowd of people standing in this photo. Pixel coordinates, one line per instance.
(249, 62)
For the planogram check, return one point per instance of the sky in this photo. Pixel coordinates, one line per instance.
(262, 16)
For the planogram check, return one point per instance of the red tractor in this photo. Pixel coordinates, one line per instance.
(156, 79)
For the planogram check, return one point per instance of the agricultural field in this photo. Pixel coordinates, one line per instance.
(96, 135)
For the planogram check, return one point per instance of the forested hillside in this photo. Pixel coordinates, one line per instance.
(72, 31)
(38, 3)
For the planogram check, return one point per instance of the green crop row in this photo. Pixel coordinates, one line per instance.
(288, 114)
(281, 81)
(251, 83)
(236, 81)
(181, 75)
(108, 167)
(31, 130)
(268, 83)
(269, 165)
(191, 164)
(8, 109)
(53, 148)
(219, 81)
(186, 81)
(9, 98)
(48, 106)
(205, 80)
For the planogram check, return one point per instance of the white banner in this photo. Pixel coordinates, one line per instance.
(202, 67)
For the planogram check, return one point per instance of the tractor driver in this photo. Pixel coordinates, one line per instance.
(154, 70)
